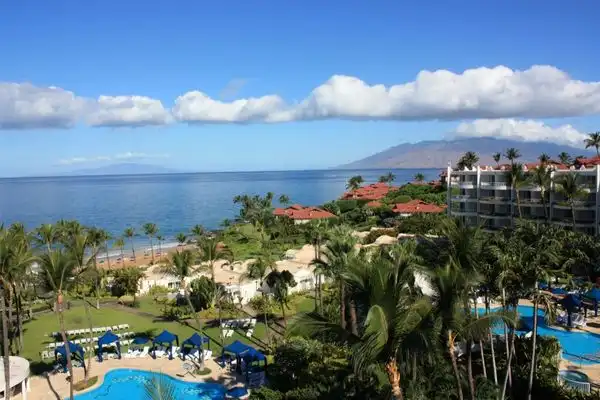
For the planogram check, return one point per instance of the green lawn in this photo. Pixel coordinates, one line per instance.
(36, 339)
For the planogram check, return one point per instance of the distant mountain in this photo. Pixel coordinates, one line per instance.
(124, 169)
(438, 153)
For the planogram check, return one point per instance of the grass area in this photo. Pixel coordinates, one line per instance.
(36, 331)
(243, 242)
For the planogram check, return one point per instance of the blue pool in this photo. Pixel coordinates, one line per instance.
(576, 345)
(128, 384)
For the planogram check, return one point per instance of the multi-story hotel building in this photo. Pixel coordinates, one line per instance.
(482, 196)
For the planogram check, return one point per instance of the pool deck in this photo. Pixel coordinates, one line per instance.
(56, 386)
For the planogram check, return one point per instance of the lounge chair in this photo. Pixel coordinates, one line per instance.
(578, 320)
(207, 354)
(144, 352)
(250, 332)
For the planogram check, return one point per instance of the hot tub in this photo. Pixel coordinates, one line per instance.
(575, 379)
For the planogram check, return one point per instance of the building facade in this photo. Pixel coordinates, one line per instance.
(483, 196)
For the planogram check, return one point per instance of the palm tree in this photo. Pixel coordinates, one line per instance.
(511, 154)
(543, 159)
(95, 240)
(159, 388)
(284, 200)
(46, 235)
(198, 231)
(339, 254)
(354, 182)
(419, 177)
(497, 157)
(130, 233)
(564, 158)
(160, 239)
(387, 178)
(59, 271)
(316, 232)
(150, 230)
(209, 251)
(569, 186)
(593, 140)
(120, 244)
(181, 239)
(279, 284)
(182, 266)
(516, 179)
(541, 177)
(104, 237)
(468, 160)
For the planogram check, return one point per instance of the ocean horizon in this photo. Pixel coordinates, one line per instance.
(173, 201)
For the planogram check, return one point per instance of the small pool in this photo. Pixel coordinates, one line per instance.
(128, 384)
(574, 376)
(577, 346)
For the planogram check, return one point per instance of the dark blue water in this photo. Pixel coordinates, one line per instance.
(175, 202)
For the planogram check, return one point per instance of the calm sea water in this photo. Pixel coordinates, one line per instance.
(175, 202)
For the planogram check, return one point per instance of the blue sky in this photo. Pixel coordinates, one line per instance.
(234, 50)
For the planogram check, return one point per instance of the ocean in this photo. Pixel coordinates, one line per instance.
(175, 202)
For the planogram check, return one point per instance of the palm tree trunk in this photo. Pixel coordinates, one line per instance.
(414, 367)
(454, 365)
(508, 373)
(393, 373)
(88, 315)
(573, 214)
(9, 302)
(63, 334)
(152, 248)
(316, 292)
(220, 324)
(267, 323)
(5, 349)
(482, 352)
(519, 203)
(19, 305)
(493, 352)
(283, 314)
(535, 325)
(198, 322)
(470, 369)
(353, 318)
(107, 257)
(505, 306)
(543, 195)
(342, 305)
(132, 248)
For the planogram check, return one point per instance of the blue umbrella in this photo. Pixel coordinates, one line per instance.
(559, 291)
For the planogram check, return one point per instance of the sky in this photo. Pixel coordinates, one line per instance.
(280, 85)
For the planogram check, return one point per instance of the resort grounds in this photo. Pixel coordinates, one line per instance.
(145, 320)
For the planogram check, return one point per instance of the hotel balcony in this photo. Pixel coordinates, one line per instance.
(530, 203)
(464, 184)
(578, 223)
(494, 185)
(577, 205)
(494, 199)
(463, 213)
(464, 198)
(530, 188)
(494, 215)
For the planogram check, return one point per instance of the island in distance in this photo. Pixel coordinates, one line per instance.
(438, 153)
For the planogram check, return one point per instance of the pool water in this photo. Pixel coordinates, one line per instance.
(577, 346)
(128, 384)
(574, 376)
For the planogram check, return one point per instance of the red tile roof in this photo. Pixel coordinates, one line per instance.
(374, 191)
(417, 206)
(299, 212)
(588, 162)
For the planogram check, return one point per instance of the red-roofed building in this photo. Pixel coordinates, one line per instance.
(301, 214)
(416, 207)
(587, 162)
(374, 191)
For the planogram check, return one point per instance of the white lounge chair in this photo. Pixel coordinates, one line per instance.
(144, 352)
(250, 332)
(578, 320)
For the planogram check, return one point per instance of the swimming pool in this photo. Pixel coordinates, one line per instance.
(575, 344)
(128, 384)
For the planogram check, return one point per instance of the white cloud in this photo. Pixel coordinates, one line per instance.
(489, 93)
(120, 111)
(25, 106)
(117, 157)
(198, 107)
(523, 130)
(540, 91)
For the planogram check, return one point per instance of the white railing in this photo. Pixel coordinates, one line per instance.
(584, 387)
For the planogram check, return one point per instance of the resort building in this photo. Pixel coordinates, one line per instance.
(301, 214)
(374, 191)
(411, 207)
(483, 196)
